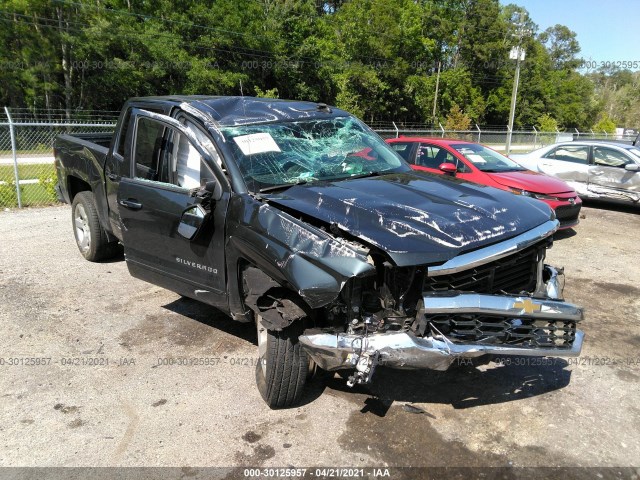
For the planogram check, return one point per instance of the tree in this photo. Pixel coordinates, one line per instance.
(605, 124)
(457, 120)
(271, 93)
(378, 58)
(562, 45)
(546, 123)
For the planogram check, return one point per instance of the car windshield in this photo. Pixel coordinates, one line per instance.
(278, 155)
(485, 159)
(634, 151)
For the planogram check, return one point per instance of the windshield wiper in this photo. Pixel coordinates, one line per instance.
(283, 186)
(362, 175)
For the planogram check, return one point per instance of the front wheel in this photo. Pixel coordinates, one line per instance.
(283, 366)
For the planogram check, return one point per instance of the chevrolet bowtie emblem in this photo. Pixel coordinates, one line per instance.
(527, 306)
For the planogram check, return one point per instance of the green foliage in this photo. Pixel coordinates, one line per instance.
(546, 123)
(605, 124)
(376, 58)
(618, 92)
(271, 93)
(562, 45)
(8, 194)
(457, 120)
(48, 183)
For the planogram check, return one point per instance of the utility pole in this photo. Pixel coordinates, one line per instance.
(435, 98)
(517, 54)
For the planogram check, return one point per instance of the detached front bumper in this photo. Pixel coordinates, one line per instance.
(476, 325)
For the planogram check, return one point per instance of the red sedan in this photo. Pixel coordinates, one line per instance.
(476, 163)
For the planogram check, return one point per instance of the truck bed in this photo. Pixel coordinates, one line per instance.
(101, 139)
(80, 161)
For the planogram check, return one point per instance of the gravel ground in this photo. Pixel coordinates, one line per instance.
(60, 315)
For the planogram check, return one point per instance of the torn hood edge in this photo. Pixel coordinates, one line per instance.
(429, 221)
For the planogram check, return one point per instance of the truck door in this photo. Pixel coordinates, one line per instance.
(168, 162)
(116, 167)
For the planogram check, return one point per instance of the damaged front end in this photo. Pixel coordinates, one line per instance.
(501, 299)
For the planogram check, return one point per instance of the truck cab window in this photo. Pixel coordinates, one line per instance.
(186, 162)
(148, 147)
(165, 155)
(122, 131)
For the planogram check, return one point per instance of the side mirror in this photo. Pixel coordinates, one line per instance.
(448, 168)
(191, 221)
(632, 167)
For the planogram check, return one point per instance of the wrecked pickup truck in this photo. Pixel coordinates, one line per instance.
(297, 217)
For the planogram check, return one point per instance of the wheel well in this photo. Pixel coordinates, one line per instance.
(75, 186)
(278, 305)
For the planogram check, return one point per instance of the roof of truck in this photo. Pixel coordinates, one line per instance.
(228, 111)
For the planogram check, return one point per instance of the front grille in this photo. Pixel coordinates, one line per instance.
(568, 213)
(513, 274)
(489, 329)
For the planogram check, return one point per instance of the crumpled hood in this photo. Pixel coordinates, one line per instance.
(417, 218)
(531, 181)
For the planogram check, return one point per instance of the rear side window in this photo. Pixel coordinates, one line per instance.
(148, 147)
(125, 126)
(570, 153)
(403, 149)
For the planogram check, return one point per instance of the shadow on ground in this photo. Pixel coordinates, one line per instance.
(611, 206)
(460, 386)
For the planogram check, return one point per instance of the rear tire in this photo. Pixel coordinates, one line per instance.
(283, 366)
(91, 238)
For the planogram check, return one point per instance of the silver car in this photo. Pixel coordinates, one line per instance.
(602, 170)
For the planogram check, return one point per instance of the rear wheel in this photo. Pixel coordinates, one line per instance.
(283, 366)
(90, 237)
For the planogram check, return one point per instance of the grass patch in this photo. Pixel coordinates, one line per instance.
(40, 193)
(28, 171)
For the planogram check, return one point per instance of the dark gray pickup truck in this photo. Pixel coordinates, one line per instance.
(297, 217)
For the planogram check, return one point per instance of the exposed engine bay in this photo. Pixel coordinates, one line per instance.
(427, 316)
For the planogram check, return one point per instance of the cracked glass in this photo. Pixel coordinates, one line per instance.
(283, 154)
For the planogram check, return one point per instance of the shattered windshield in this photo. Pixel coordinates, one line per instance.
(487, 160)
(278, 155)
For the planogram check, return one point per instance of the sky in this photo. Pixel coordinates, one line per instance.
(607, 30)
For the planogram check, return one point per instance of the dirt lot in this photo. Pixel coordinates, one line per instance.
(60, 315)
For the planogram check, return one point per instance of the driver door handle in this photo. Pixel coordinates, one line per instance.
(597, 172)
(131, 204)
(112, 176)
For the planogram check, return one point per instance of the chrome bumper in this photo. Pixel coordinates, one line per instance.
(437, 352)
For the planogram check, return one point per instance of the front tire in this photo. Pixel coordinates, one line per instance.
(283, 366)
(91, 238)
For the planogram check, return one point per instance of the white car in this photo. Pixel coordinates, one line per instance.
(603, 170)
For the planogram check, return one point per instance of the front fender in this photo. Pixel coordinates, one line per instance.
(297, 255)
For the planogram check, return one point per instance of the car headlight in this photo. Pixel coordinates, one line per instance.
(519, 191)
(526, 193)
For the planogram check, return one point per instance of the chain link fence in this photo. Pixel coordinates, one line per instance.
(28, 176)
(27, 172)
(522, 141)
